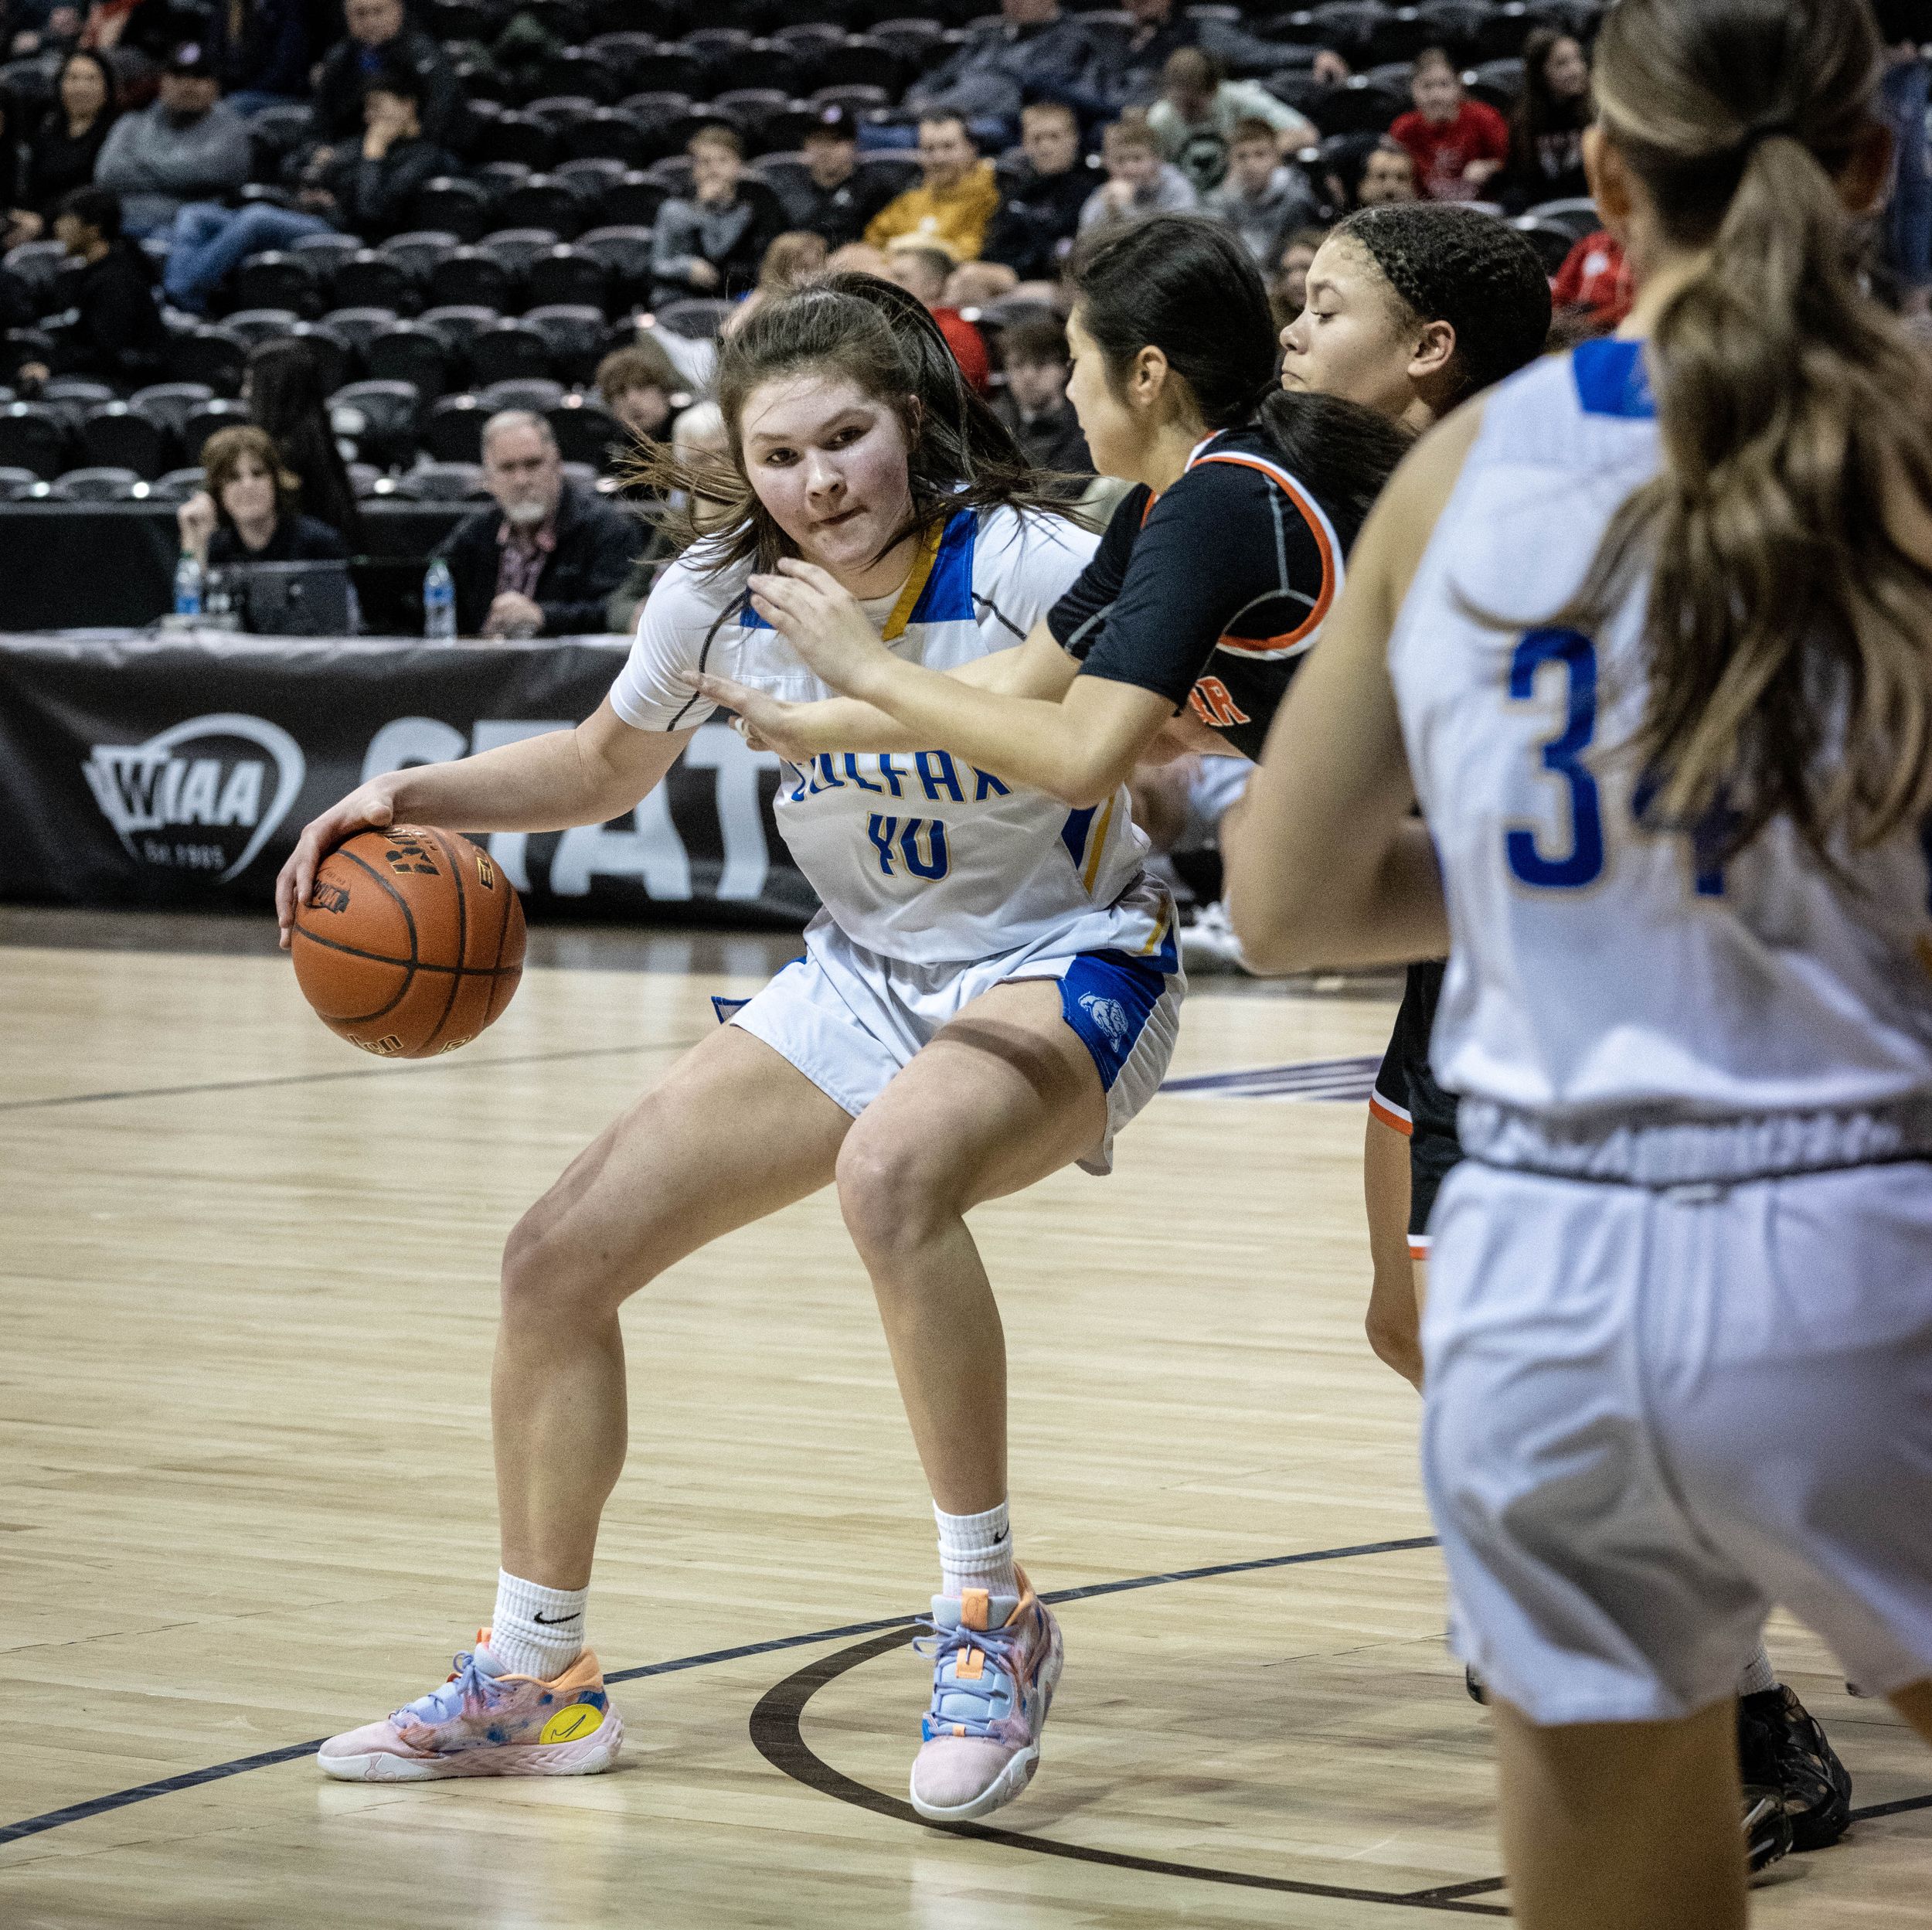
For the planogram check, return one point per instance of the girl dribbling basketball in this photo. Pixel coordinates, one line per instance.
(1651, 620)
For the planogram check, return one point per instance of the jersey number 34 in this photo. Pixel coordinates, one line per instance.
(1530, 859)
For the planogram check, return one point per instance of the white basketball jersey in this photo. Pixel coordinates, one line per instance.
(1605, 975)
(915, 855)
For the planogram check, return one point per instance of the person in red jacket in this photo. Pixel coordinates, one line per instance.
(921, 268)
(1592, 286)
(1458, 144)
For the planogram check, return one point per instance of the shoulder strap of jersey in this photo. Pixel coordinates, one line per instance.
(1327, 542)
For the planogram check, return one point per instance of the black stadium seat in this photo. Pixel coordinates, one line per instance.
(379, 417)
(279, 279)
(411, 352)
(459, 207)
(170, 403)
(1553, 244)
(76, 393)
(371, 279)
(625, 252)
(516, 248)
(453, 430)
(567, 274)
(586, 431)
(177, 485)
(117, 435)
(526, 392)
(611, 135)
(545, 201)
(510, 349)
(16, 483)
(459, 323)
(35, 436)
(574, 333)
(513, 136)
(333, 353)
(1356, 105)
(1576, 218)
(420, 249)
(361, 326)
(103, 484)
(472, 278)
(443, 482)
(576, 72)
(37, 264)
(697, 316)
(256, 325)
(208, 353)
(668, 70)
(1504, 29)
(901, 170)
(223, 412)
(558, 111)
(633, 202)
(860, 61)
(620, 54)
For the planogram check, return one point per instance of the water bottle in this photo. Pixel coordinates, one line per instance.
(439, 603)
(188, 585)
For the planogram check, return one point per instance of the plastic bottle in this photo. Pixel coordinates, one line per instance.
(439, 603)
(188, 582)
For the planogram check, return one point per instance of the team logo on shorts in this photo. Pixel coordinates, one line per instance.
(1110, 1016)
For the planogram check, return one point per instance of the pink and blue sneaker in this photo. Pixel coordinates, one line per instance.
(484, 1721)
(996, 1661)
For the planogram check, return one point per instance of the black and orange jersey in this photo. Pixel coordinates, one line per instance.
(1209, 593)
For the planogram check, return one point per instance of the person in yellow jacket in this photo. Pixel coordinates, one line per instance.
(952, 204)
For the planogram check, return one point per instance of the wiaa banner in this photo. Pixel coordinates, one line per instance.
(178, 772)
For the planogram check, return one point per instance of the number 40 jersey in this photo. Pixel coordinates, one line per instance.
(915, 855)
(1604, 973)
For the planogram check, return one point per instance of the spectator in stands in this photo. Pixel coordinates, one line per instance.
(1034, 405)
(1546, 125)
(1031, 50)
(283, 388)
(1160, 30)
(188, 146)
(1199, 108)
(1905, 228)
(66, 145)
(1288, 290)
(378, 33)
(1384, 173)
(118, 335)
(921, 268)
(247, 511)
(840, 197)
(793, 257)
(1261, 196)
(544, 561)
(700, 431)
(641, 389)
(1592, 291)
(365, 189)
(1033, 231)
(955, 200)
(978, 284)
(1458, 145)
(259, 50)
(1138, 180)
(714, 243)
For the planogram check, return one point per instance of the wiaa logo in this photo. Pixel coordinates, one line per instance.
(190, 779)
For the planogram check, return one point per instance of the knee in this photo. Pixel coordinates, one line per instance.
(894, 1193)
(547, 1277)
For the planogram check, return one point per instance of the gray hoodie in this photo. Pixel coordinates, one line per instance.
(156, 164)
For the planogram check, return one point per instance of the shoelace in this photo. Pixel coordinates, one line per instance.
(466, 1679)
(996, 1645)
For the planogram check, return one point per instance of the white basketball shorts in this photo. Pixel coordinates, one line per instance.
(1652, 1415)
(849, 1018)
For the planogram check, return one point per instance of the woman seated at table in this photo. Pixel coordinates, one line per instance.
(245, 511)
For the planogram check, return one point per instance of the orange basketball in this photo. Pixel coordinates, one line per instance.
(411, 942)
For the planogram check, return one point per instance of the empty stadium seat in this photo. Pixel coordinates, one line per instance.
(117, 435)
(360, 326)
(208, 353)
(901, 170)
(514, 136)
(611, 134)
(625, 250)
(170, 403)
(697, 316)
(379, 417)
(575, 335)
(586, 431)
(471, 278)
(1356, 105)
(15, 483)
(412, 353)
(510, 349)
(535, 393)
(1495, 83)
(633, 202)
(35, 435)
(279, 278)
(1575, 217)
(76, 393)
(256, 325)
(38, 264)
(544, 201)
(452, 431)
(102, 485)
(559, 110)
(457, 207)
(575, 73)
(205, 418)
(420, 249)
(333, 353)
(1503, 31)
(443, 482)
(565, 274)
(178, 485)
(620, 54)
(667, 69)
(860, 61)
(458, 323)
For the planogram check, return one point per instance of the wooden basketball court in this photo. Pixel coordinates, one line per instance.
(247, 1293)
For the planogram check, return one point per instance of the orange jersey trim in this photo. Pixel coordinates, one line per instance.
(1311, 515)
(1399, 1122)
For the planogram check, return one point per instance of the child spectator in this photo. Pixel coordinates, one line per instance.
(1288, 290)
(641, 389)
(921, 268)
(1138, 181)
(953, 203)
(793, 258)
(1592, 291)
(714, 243)
(1199, 109)
(1033, 232)
(1457, 145)
(1260, 196)
(1546, 126)
(1034, 405)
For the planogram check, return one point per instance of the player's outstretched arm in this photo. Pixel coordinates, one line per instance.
(1326, 866)
(563, 778)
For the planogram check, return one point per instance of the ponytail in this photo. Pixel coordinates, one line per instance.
(1787, 637)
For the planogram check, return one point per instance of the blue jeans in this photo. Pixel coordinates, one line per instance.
(208, 240)
(250, 101)
(1908, 218)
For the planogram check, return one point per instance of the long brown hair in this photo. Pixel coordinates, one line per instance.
(872, 333)
(1788, 633)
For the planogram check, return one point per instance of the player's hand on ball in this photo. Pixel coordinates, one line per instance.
(369, 806)
(821, 620)
(765, 723)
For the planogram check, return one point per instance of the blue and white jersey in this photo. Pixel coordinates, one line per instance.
(915, 855)
(1605, 975)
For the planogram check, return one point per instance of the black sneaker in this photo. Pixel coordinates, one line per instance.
(1767, 1829)
(1781, 1747)
(1478, 1688)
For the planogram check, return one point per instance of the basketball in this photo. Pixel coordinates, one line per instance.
(411, 942)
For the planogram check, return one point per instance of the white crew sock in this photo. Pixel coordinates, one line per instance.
(1757, 1675)
(976, 1551)
(536, 1631)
